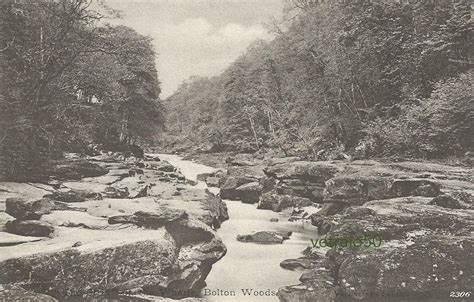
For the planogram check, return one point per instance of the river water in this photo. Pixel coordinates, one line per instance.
(249, 272)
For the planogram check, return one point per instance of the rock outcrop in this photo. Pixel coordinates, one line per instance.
(101, 232)
(421, 213)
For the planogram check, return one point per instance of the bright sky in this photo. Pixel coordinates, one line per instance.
(197, 37)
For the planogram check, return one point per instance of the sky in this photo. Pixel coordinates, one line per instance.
(197, 37)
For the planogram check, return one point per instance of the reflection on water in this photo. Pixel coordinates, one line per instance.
(249, 267)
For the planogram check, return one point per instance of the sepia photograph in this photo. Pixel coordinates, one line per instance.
(236, 151)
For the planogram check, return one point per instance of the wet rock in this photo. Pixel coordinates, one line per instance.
(264, 237)
(302, 263)
(277, 203)
(229, 189)
(77, 169)
(414, 187)
(216, 208)
(28, 209)
(250, 192)
(33, 228)
(17, 293)
(446, 201)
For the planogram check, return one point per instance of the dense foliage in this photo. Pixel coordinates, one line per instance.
(69, 80)
(378, 77)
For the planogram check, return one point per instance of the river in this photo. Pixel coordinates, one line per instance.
(249, 272)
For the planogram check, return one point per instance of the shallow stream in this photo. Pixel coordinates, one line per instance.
(249, 271)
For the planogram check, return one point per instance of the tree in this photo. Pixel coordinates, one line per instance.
(68, 82)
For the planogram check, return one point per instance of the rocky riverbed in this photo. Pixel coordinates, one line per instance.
(108, 227)
(422, 213)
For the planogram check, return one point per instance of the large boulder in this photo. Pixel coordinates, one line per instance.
(229, 189)
(250, 192)
(302, 263)
(174, 259)
(216, 209)
(33, 228)
(276, 203)
(264, 237)
(28, 209)
(78, 273)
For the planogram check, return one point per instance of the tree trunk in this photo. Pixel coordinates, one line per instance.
(252, 125)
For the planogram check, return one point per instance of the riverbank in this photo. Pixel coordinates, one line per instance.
(421, 211)
(105, 227)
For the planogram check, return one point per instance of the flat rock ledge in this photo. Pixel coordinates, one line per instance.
(108, 227)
